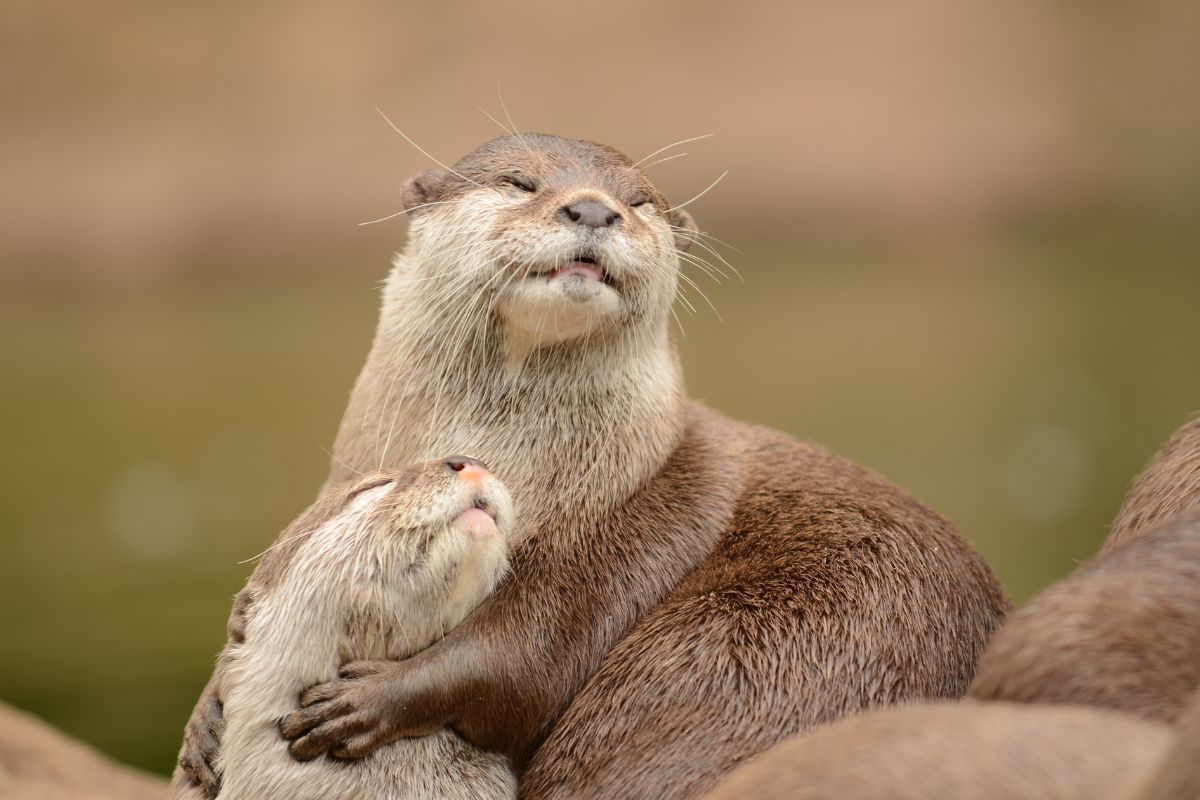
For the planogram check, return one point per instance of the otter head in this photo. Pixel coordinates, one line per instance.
(406, 554)
(556, 239)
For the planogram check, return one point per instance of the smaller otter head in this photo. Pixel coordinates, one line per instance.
(561, 238)
(406, 554)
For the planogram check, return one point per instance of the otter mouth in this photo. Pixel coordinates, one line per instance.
(479, 519)
(584, 266)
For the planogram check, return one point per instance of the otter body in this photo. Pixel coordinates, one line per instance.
(376, 572)
(686, 589)
(978, 751)
(1082, 682)
(1124, 630)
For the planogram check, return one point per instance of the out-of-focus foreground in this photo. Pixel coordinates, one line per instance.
(967, 232)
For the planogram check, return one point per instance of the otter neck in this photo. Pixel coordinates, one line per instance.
(571, 428)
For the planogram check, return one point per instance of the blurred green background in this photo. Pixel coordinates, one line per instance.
(967, 230)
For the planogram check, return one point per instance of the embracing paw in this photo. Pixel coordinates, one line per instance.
(349, 717)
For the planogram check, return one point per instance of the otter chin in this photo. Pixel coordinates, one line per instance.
(561, 302)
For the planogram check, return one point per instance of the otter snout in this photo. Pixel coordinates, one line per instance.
(468, 465)
(590, 214)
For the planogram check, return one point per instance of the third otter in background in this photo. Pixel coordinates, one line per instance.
(686, 590)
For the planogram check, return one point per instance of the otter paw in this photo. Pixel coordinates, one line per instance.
(348, 718)
(201, 744)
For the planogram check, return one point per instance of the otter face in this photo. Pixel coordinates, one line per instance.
(428, 540)
(560, 238)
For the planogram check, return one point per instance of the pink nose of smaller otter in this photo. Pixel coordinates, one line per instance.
(466, 467)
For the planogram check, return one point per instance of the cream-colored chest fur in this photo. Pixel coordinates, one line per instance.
(329, 609)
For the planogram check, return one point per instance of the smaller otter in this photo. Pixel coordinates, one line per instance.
(1124, 630)
(980, 751)
(378, 569)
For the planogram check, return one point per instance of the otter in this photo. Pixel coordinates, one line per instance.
(377, 568)
(969, 750)
(686, 590)
(1169, 485)
(1124, 630)
(37, 761)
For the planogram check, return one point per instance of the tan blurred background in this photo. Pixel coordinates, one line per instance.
(968, 233)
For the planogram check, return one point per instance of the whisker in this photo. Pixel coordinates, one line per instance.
(720, 178)
(508, 116)
(343, 463)
(423, 151)
(693, 284)
(503, 127)
(672, 144)
(403, 211)
(664, 159)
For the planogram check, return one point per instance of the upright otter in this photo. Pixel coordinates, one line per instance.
(1124, 630)
(686, 589)
(377, 568)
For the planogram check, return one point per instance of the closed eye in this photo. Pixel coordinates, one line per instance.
(641, 201)
(524, 184)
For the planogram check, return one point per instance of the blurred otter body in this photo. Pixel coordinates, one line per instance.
(1169, 485)
(1124, 630)
(686, 590)
(378, 570)
(38, 762)
(980, 751)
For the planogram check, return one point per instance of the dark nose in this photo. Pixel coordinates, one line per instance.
(459, 463)
(591, 214)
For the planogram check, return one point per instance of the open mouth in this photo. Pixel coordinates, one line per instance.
(583, 266)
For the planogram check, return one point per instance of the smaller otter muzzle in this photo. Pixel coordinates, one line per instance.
(461, 463)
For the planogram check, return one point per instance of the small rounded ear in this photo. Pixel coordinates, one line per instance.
(685, 229)
(422, 189)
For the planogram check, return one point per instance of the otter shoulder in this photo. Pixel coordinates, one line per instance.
(800, 504)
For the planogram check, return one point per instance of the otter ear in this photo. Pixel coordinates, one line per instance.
(685, 231)
(422, 189)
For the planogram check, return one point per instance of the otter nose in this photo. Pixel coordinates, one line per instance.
(591, 214)
(466, 467)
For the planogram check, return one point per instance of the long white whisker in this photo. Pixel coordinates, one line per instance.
(720, 178)
(661, 160)
(403, 211)
(423, 151)
(508, 116)
(503, 127)
(673, 144)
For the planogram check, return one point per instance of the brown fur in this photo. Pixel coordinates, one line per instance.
(686, 590)
(1177, 775)
(969, 751)
(1122, 632)
(39, 763)
(1170, 484)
